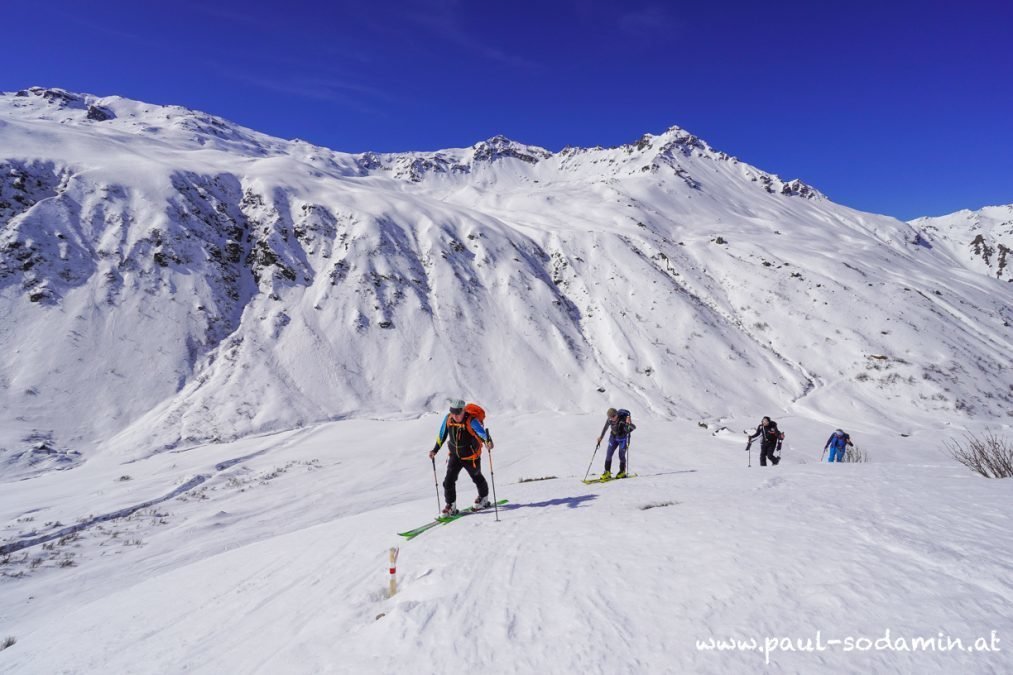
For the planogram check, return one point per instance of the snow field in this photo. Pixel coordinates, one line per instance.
(280, 564)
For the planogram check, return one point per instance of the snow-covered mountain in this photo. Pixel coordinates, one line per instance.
(981, 239)
(167, 277)
(202, 281)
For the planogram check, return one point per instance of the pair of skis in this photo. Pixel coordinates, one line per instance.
(443, 520)
(592, 481)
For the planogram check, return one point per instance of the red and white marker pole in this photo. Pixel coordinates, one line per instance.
(393, 571)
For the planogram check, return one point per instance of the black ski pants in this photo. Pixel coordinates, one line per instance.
(474, 469)
(768, 451)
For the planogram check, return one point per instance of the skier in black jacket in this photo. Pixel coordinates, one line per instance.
(770, 440)
(464, 435)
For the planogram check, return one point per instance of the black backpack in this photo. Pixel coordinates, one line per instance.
(623, 425)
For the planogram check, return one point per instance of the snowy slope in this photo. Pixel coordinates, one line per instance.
(277, 563)
(203, 281)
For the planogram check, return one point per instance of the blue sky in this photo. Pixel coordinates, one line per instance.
(903, 108)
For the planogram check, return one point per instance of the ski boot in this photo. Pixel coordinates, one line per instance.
(482, 503)
(621, 474)
(606, 476)
(450, 510)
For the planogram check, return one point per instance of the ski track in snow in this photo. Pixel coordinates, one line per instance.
(85, 523)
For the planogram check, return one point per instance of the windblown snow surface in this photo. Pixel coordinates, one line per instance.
(226, 356)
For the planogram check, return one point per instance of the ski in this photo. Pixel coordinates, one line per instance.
(466, 512)
(592, 481)
(443, 520)
(411, 534)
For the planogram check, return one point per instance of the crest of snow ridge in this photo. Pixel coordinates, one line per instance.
(175, 123)
(646, 155)
(676, 142)
(415, 167)
(59, 99)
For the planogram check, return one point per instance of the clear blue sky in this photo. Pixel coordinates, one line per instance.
(896, 107)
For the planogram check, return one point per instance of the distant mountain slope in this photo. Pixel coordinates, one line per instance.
(172, 276)
(982, 239)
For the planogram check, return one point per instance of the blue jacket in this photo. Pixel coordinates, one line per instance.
(838, 441)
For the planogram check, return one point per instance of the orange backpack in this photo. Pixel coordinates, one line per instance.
(476, 411)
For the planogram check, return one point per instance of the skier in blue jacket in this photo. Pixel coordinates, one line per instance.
(838, 443)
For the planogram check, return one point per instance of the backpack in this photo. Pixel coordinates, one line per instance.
(775, 433)
(478, 412)
(623, 425)
(475, 410)
(839, 441)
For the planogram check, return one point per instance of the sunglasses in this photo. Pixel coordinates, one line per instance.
(456, 411)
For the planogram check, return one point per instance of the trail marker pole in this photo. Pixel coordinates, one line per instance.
(393, 571)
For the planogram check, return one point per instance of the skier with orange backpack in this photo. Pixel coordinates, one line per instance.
(463, 431)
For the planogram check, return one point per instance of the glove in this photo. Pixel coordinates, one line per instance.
(490, 443)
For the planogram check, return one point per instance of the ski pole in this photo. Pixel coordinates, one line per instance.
(436, 485)
(592, 460)
(492, 473)
(749, 454)
(629, 445)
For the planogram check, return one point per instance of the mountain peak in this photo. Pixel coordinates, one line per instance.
(54, 95)
(674, 138)
(46, 100)
(498, 140)
(499, 147)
